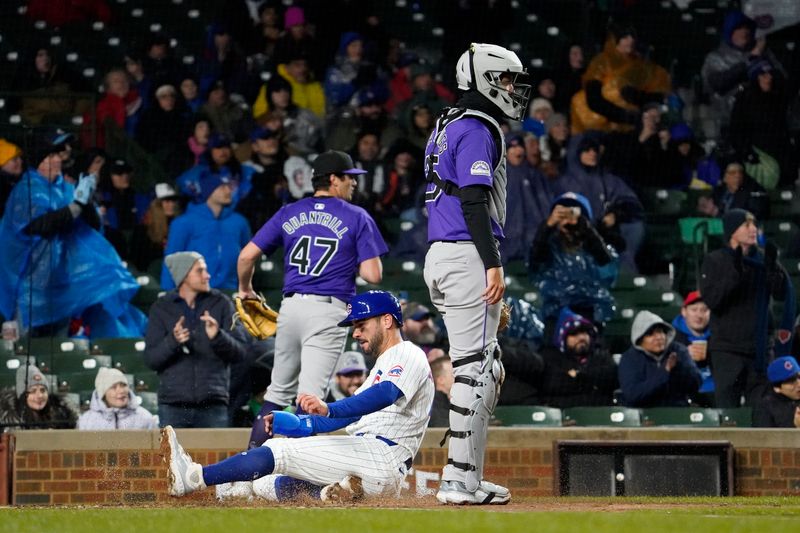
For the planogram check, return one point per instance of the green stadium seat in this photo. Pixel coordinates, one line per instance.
(680, 416)
(268, 275)
(48, 346)
(68, 363)
(76, 381)
(664, 202)
(8, 379)
(693, 229)
(116, 346)
(145, 381)
(602, 416)
(130, 363)
(149, 401)
(85, 399)
(517, 269)
(736, 417)
(528, 415)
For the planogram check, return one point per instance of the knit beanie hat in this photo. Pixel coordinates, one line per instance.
(179, 264)
(8, 151)
(107, 378)
(757, 67)
(209, 182)
(34, 377)
(294, 17)
(732, 220)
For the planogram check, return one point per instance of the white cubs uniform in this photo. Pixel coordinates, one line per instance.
(380, 445)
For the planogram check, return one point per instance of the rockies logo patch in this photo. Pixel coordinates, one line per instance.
(480, 168)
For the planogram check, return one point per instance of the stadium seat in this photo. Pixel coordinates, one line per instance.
(117, 346)
(47, 346)
(145, 381)
(130, 363)
(694, 229)
(602, 416)
(528, 415)
(69, 363)
(680, 416)
(736, 417)
(76, 381)
(664, 202)
(149, 401)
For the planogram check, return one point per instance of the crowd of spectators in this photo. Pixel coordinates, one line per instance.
(236, 133)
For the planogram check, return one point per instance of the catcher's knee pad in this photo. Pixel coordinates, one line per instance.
(474, 396)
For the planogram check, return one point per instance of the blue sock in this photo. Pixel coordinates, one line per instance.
(245, 466)
(257, 434)
(289, 488)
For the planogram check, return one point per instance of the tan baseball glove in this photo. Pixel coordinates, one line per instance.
(505, 317)
(259, 319)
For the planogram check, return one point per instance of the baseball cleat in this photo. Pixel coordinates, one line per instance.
(456, 493)
(183, 475)
(348, 490)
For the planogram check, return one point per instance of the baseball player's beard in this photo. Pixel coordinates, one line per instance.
(373, 344)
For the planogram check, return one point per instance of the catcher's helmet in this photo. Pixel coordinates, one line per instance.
(370, 304)
(480, 68)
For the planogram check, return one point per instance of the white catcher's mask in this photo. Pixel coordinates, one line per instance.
(480, 67)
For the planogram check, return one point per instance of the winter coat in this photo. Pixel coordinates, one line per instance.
(750, 196)
(578, 277)
(605, 191)
(686, 336)
(307, 95)
(732, 297)
(198, 370)
(593, 384)
(522, 213)
(15, 413)
(217, 239)
(642, 377)
(101, 417)
(241, 178)
(725, 69)
(774, 411)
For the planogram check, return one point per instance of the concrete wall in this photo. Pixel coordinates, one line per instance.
(125, 467)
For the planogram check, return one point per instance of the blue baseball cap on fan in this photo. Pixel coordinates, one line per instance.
(782, 369)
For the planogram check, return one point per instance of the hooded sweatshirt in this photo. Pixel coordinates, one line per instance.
(642, 376)
(101, 417)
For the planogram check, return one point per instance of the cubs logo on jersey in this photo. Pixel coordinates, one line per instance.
(395, 371)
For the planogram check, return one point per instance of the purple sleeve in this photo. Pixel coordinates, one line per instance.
(475, 158)
(369, 242)
(269, 237)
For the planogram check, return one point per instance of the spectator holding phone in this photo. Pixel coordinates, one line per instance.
(570, 262)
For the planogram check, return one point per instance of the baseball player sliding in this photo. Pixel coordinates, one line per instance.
(466, 200)
(326, 243)
(385, 419)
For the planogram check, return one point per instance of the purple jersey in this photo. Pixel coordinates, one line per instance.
(465, 154)
(324, 241)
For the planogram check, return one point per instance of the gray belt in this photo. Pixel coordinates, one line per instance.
(316, 298)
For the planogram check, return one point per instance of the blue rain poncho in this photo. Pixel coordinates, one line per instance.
(71, 273)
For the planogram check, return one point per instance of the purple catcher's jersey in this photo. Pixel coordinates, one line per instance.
(465, 154)
(324, 241)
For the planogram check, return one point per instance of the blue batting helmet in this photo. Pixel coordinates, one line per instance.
(370, 304)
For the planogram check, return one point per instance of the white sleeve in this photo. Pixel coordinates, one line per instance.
(406, 370)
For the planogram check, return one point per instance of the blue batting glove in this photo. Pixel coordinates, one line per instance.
(291, 425)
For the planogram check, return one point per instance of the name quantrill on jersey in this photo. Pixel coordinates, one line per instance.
(315, 217)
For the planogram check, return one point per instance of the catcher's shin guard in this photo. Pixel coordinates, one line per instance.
(474, 396)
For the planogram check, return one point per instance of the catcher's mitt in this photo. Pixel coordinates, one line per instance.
(259, 319)
(505, 317)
